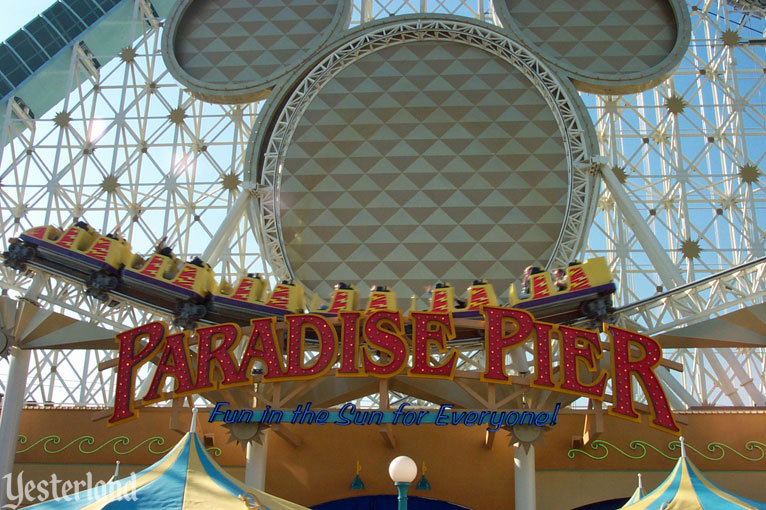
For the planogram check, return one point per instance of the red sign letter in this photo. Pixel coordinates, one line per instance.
(297, 326)
(624, 366)
(174, 362)
(580, 344)
(427, 329)
(349, 344)
(130, 361)
(383, 332)
(495, 344)
(268, 352)
(229, 335)
(543, 356)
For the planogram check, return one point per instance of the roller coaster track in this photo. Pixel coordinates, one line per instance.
(690, 303)
(714, 295)
(708, 379)
(711, 296)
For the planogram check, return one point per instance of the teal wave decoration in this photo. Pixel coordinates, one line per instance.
(120, 445)
(637, 449)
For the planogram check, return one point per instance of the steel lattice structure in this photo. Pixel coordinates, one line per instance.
(129, 149)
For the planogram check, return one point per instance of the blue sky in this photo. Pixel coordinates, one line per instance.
(17, 14)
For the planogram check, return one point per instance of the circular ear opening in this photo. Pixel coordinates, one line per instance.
(603, 46)
(234, 51)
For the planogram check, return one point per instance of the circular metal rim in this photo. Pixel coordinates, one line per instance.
(269, 143)
(245, 92)
(624, 83)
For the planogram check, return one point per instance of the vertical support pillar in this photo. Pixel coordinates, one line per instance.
(13, 402)
(524, 477)
(255, 466)
(11, 416)
(366, 11)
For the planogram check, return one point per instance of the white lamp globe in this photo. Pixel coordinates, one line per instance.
(403, 470)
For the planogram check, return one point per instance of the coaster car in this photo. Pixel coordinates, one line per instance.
(80, 253)
(344, 298)
(581, 290)
(105, 265)
(188, 290)
(244, 301)
(165, 282)
(381, 298)
(480, 293)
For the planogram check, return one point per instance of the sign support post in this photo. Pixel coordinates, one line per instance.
(255, 465)
(524, 476)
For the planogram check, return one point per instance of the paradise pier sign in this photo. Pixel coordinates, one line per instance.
(378, 345)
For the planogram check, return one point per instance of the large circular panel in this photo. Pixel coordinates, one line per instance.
(234, 50)
(604, 46)
(422, 159)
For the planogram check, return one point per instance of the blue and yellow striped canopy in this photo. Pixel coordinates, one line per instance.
(187, 478)
(688, 489)
(637, 494)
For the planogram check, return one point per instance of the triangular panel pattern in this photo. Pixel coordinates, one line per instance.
(243, 41)
(421, 162)
(599, 36)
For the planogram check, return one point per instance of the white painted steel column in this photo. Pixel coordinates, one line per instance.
(366, 10)
(524, 477)
(13, 402)
(668, 272)
(744, 379)
(255, 466)
(678, 392)
(222, 237)
(723, 378)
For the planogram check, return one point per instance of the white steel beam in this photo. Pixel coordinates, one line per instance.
(668, 272)
(13, 402)
(222, 238)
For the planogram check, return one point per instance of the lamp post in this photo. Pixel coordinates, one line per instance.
(402, 471)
